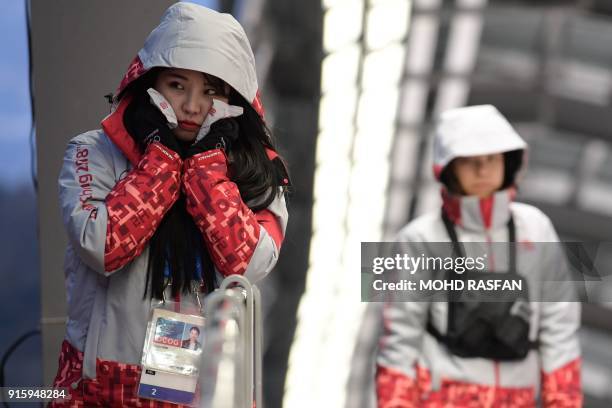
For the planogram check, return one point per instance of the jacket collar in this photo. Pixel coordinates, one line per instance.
(478, 214)
(116, 131)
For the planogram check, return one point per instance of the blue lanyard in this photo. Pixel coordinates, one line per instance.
(197, 274)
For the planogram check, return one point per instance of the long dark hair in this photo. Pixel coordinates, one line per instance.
(177, 242)
(255, 175)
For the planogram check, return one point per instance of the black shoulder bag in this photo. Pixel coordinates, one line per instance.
(497, 330)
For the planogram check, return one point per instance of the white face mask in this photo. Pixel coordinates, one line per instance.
(219, 110)
(163, 105)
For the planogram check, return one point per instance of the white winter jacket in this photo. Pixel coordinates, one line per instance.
(107, 182)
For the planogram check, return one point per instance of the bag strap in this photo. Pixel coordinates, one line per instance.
(458, 248)
(459, 252)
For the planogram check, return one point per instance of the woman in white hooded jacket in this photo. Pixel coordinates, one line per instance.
(477, 155)
(154, 211)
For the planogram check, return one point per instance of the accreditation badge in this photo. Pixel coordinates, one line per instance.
(171, 356)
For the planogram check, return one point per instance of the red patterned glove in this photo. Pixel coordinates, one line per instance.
(137, 204)
(221, 136)
(229, 227)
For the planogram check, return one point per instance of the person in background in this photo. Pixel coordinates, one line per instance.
(444, 354)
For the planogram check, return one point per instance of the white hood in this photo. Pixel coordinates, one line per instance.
(473, 131)
(194, 37)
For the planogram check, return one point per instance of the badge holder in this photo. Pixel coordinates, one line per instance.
(172, 353)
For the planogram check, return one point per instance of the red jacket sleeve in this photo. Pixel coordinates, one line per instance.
(395, 389)
(137, 204)
(230, 229)
(561, 388)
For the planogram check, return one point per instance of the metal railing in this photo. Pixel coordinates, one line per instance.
(231, 372)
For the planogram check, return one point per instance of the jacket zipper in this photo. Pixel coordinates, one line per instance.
(495, 362)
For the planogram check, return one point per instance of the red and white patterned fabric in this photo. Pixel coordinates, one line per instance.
(138, 203)
(395, 389)
(229, 227)
(560, 388)
(115, 386)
